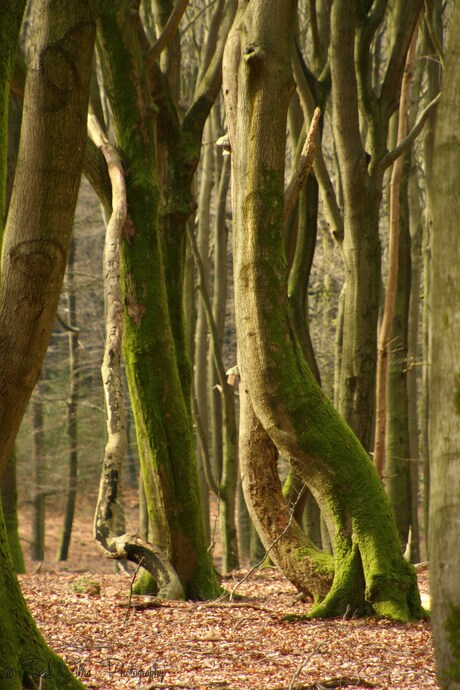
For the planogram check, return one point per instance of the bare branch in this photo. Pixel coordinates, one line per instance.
(304, 166)
(401, 148)
(331, 207)
(168, 32)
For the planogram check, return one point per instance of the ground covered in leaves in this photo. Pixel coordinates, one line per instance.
(242, 645)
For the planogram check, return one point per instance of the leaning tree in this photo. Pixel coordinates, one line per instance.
(281, 397)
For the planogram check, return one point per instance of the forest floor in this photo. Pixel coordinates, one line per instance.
(81, 609)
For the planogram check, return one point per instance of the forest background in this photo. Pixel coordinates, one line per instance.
(364, 219)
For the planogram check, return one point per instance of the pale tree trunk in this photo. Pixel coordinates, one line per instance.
(225, 487)
(383, 345)
(413, 357)
(201, 324)
(109, 516)
(434, 41)
(445, 372)
(34, 258)
(370, 572)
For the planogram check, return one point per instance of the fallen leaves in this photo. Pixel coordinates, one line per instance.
(241, 645)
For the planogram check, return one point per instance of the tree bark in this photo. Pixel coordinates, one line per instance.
(161, 410)
(445, 372)
(34, 257)
(37, 233)
(370, 572)
(9, 500)
(72, 408)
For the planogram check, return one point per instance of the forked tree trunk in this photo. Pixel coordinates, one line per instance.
(445, 373)
(151, 355)
(370, 572)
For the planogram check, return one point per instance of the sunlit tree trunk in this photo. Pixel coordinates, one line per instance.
(434, 42)
(370, 572)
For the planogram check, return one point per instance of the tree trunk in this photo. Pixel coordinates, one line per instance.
(10, 23)
(34, 257)
(161, 412)
(398, 473)
(370, 572)
(37, 548)
(445, 372)
(9, 500)
(434, 41)
(72, 406)
(31, 265)
(358, 107)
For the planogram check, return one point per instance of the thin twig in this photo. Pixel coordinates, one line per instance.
(274, 542)
(302, 664)
(131, 590)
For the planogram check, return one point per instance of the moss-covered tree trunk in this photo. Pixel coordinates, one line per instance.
(11, 12)
(370, 572)
(34, 257)
(163, 422)
(445, 372)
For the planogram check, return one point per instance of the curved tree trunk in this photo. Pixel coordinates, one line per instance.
(370, 572)
(160, 408)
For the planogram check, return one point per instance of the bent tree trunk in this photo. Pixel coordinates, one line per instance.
(370, 572)
(34, 257)
(163, 423)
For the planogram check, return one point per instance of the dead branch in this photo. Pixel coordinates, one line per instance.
(304, 166)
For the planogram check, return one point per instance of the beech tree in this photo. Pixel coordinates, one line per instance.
(445, 371)
(370, 573)
(34, 255)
